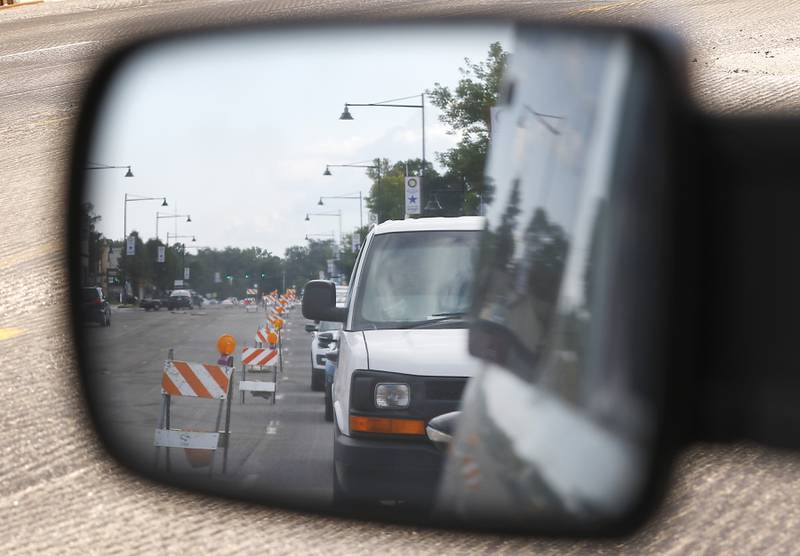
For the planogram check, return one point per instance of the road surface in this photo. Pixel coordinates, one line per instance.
(282, 451)
(59, 492)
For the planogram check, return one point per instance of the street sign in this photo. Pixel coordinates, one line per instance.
(186, 273)
(162, 253)
(372, 218)
(131, 246)
(356, 243)
(331, 267)
(178, 283)
(413, 194)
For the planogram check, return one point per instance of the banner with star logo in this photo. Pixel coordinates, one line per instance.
(413, 195)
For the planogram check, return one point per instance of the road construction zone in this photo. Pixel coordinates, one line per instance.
(215, 393)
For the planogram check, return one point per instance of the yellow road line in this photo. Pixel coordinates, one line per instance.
(8, 333)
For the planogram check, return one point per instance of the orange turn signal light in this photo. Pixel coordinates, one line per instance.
(383, 425)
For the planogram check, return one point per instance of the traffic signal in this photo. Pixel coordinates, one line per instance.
(263, 275)
(246, 275)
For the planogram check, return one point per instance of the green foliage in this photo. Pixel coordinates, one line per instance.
(466, 109)
(387, 197)
(303, 262)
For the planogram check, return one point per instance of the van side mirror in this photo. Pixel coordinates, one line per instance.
(440, 429)
(319, 302)
(311, 328)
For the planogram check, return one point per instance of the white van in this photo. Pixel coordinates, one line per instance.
(402, 357)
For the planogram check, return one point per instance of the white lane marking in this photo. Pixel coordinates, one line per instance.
(272, 428)
(46, 49)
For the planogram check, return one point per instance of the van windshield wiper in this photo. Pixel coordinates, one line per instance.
(435, 319)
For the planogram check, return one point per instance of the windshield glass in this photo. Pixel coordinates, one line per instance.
(413, 277)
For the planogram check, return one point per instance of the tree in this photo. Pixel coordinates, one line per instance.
(303, 263)
(387, 197)
(467, 111)
(92, 241)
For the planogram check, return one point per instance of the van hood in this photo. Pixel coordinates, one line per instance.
(425, 352)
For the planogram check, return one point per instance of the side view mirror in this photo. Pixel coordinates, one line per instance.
(573, 316)
(319, 302)
(325, 339)
(440, 430)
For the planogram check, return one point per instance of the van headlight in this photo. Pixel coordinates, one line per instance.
(392, 395)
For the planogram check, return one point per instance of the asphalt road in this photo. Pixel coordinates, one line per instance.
(59, 491)
(276, 451)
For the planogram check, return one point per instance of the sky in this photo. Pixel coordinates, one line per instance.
(236, 129)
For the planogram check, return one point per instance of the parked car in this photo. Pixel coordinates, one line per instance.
(95, 307)
(197, 299)
(323, 338)
(153, 303)
(402, 355)
(179, 299)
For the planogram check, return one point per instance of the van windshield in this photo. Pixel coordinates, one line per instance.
(415, 277)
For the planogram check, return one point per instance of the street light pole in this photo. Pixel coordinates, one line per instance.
(128, 174)
(389, 104)
(353, 196)
(376, 167)
(183, 251)
(130, 198)
(556, 133)
(337, 213)
(160, 216)
(422, 107)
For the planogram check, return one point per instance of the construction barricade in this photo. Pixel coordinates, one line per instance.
(256, 360)
(194, 380)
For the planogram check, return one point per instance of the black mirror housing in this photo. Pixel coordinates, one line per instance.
(311, 328)
(319, 302)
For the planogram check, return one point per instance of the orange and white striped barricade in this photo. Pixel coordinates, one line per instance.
(194, 380)
(262, 337)
(259, 359)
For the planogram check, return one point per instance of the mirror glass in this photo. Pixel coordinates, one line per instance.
(227, 170)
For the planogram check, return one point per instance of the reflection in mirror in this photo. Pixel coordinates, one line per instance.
(226, 172)
(559, 421)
